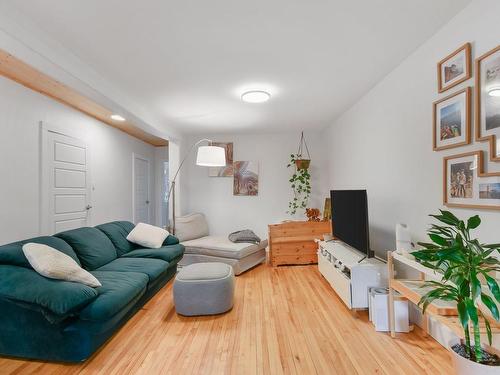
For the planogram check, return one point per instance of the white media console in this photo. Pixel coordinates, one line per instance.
(349, 274)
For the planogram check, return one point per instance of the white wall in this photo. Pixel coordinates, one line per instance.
(21, 110)
(384, 142)
(214, 197)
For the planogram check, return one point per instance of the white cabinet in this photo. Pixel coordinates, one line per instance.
(349, 274)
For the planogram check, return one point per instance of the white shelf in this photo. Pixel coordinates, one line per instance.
(416, 265)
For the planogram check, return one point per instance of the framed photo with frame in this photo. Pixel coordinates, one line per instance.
(465, 184)
(452, 120)
(454, 68)
(488, 100)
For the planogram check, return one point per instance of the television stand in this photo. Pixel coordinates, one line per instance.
(350, 273)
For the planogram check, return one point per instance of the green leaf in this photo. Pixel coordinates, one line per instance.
(492, 246)
(488, 330)
(491, 305)
(463, 315)
(475, 285)
(439, 240)
(427, 245)
(472, 311)
(473, 222)
(493, 285)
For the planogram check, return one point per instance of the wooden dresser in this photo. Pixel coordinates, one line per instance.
(292, 242)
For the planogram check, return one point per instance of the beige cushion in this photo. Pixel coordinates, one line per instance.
(190, 227)
(148, 236)
(54, 264)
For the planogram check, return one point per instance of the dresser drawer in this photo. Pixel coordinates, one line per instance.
(295, 248)
(278, 260)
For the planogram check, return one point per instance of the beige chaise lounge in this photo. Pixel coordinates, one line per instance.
(192, 231)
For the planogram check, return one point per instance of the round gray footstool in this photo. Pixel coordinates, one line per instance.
(204, 289)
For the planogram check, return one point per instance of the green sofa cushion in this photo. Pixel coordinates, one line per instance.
(92, 246)
(117, 232)
(151, 267)
(13, 253)
(118, 290)
(170, 240)
(166, 253)
(27, 287)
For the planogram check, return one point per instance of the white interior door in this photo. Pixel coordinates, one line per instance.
(65, 183)
(141, 187)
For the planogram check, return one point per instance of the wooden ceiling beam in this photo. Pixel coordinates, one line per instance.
(17, 70)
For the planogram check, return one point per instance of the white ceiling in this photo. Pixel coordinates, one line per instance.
(188, 61)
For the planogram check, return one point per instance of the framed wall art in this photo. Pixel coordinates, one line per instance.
(454, 68)
(465, 184)
(246, 178)
(451, 123)
(488, 100)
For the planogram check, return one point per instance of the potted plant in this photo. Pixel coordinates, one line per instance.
(299, 161)
(467, 268)
(300, 183)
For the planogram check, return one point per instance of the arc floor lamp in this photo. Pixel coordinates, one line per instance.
(207, 156)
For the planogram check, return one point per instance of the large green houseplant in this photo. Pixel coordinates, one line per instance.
(467, 268)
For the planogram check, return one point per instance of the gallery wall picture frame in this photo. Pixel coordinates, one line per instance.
(487, 119)
(452, 120)
(467, 185)
(454, 68)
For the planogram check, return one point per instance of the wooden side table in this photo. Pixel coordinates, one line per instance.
(292, 242)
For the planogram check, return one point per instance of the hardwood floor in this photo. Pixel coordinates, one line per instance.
(285, 320)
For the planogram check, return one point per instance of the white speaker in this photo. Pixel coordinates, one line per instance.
(403, 239)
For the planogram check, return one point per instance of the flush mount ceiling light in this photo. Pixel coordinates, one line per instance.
(117, 117)
(255, 96)
(495, 91)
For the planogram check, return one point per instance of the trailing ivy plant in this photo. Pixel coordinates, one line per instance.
(300, 183)
(462, 262)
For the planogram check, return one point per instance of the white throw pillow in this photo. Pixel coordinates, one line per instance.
(148, 235)
(191, 227)
(54, 264)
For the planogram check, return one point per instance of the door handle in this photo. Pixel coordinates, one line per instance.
(147, 202)
(88, 207)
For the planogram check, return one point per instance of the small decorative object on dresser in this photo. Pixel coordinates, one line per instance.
(292, 242)
(313, 214)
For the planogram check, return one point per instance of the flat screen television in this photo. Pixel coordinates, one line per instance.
(350, 219)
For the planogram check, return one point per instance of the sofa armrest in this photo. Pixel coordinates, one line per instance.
(170, 240)
(56, 299)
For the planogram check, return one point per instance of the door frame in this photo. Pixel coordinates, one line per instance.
(43, 168)
(135, 155)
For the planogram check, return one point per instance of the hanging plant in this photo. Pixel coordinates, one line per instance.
(300, 181)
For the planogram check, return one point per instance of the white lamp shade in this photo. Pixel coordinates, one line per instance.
(211, 156)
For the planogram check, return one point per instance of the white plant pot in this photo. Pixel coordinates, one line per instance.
(464, 366)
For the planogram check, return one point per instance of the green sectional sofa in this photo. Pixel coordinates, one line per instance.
(55, 320)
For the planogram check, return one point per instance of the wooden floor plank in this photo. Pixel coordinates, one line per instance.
(285, 320)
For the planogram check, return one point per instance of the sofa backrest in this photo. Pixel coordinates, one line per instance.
(12, 253)
(91, 245)
(117, 232)
(191, 226)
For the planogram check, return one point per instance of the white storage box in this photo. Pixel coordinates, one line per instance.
(379, 311)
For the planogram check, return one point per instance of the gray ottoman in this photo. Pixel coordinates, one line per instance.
(204, 289)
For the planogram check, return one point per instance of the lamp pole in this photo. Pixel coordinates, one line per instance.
(171, 191)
